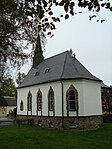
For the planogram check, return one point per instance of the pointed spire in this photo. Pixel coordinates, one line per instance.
(38, 53)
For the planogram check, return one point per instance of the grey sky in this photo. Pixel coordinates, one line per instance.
(89, 40)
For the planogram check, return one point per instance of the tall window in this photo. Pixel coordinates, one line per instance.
(39, 101)
(72, 99)
(21, 106)
(51, 99)
(29, 101)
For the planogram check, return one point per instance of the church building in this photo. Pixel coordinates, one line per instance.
(60, 92)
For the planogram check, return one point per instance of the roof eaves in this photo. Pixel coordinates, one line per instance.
(61, 79)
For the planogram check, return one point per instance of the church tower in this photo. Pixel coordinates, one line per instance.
(38, 53)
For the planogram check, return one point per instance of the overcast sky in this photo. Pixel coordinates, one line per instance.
(89, 40)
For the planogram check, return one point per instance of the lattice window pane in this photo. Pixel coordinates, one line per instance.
(72, 105)
(29, 101)
(39, 102)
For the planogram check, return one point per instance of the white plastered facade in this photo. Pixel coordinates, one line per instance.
(89, 98)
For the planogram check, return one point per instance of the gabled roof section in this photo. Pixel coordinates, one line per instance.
(8, 101)
(59, 67)
(11, 101)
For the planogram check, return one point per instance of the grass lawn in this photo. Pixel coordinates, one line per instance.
(37, 138)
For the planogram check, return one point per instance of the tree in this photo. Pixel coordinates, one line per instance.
(10, 32)
(21, 20)
(17, 31)
(20, 78)
(8, 87)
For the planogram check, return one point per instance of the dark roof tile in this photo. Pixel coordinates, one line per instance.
(8, 101)
(61, 66)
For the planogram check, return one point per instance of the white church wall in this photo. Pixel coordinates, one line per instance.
(21, 96)
(89, 98)
(57, 93)
(78, 84)
(23, 92)
(92, 98)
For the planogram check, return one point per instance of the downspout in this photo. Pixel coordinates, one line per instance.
(62, 104)
(63, 93)
(27, 107)
(77, 114)
(77, 111)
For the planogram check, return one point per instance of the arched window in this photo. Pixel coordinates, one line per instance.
(51, 99)
(29, 101)
(72, 99)
(21, 106)
(39, 100)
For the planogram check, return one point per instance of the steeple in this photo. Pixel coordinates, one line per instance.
(38, 53)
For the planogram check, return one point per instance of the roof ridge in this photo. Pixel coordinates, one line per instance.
(54, 55)
(86, 69)
(64, 64)
(73, 63)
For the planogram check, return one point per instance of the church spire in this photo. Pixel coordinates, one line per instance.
(38, 53)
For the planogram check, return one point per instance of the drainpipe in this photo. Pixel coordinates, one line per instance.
(62, 105)
(77, 114)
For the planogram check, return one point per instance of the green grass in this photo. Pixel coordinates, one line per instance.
(37, 138)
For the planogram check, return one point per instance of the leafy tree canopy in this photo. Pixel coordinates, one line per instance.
(20, 77)
(8, 88)
(20, 20)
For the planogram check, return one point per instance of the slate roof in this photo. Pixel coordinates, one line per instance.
(59, 67)
(2, 102)
(8, 101)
